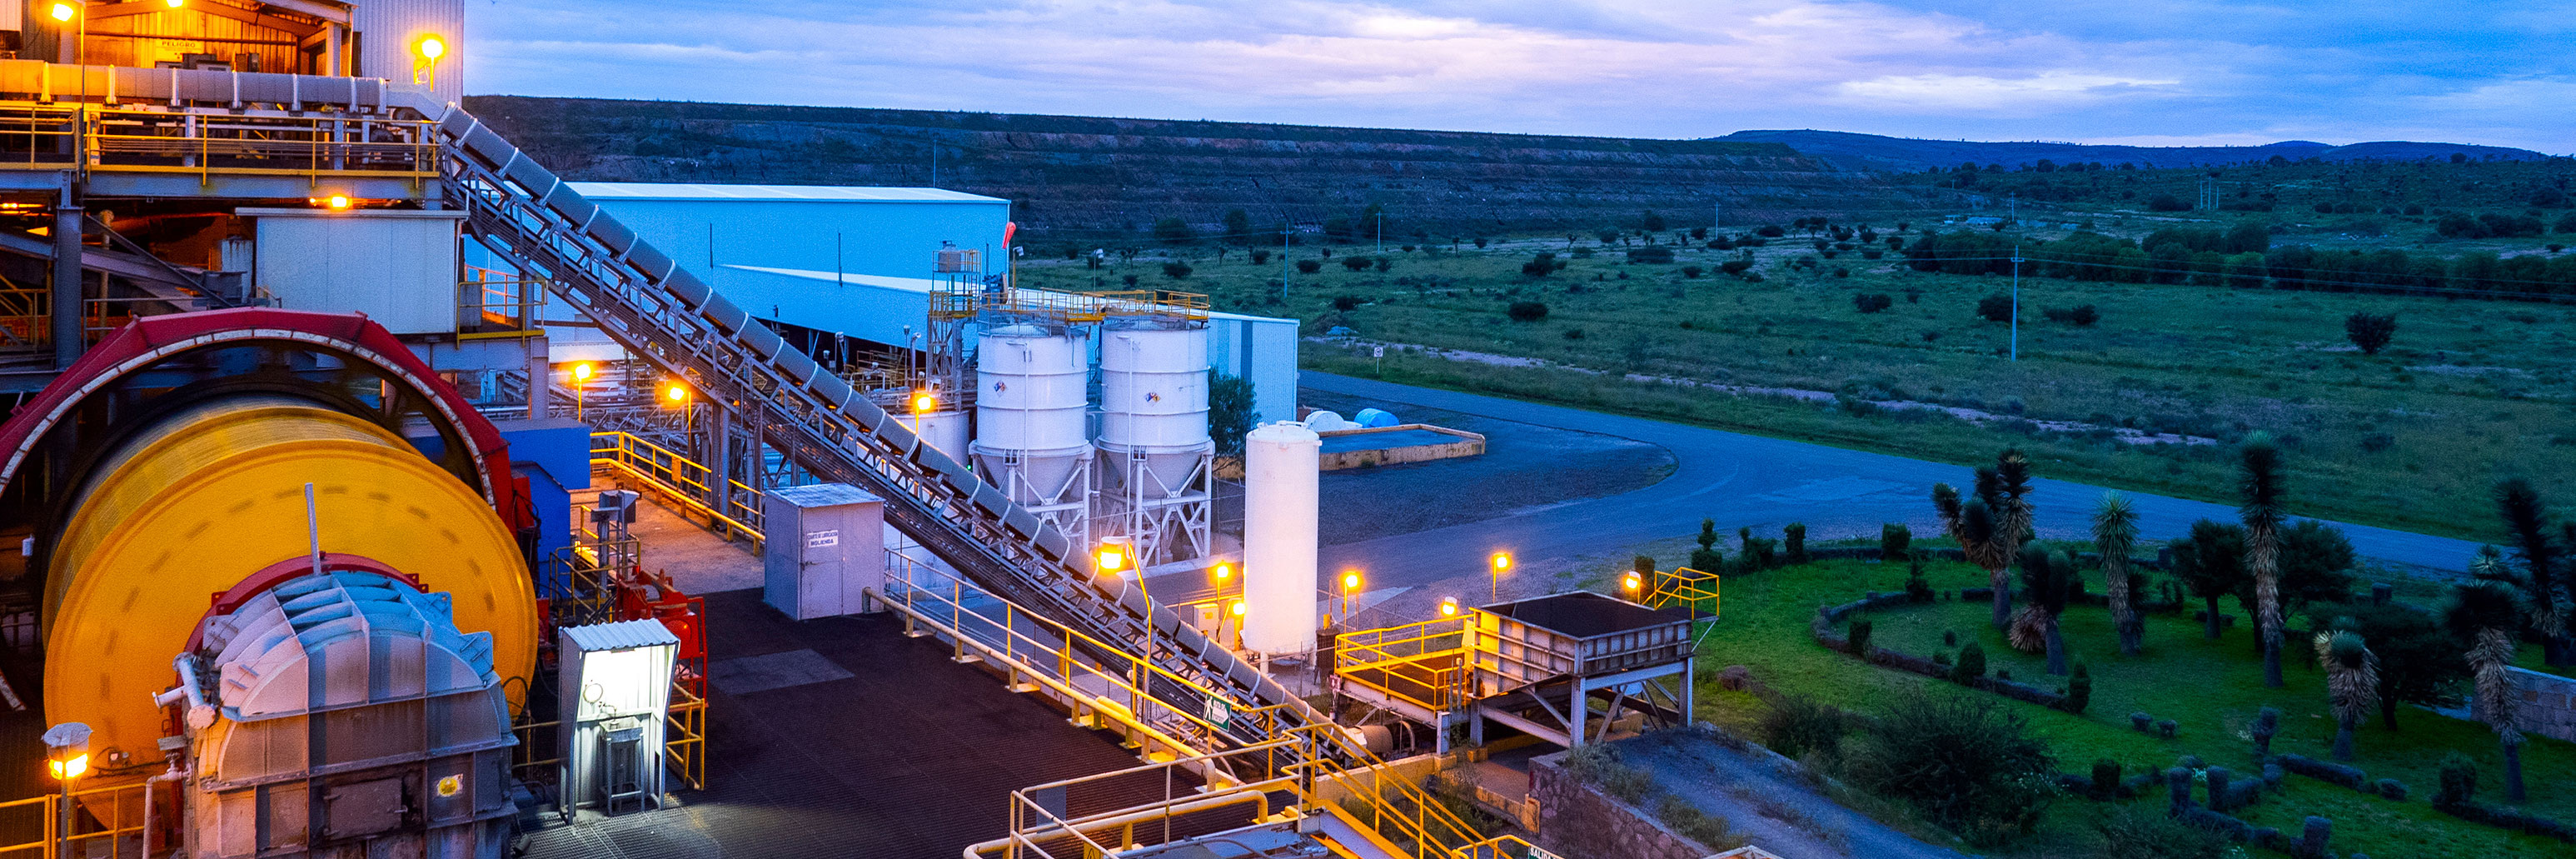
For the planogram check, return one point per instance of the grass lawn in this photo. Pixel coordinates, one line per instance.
(2413, 438)
(2212, 688)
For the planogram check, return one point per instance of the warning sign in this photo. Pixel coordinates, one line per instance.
(823, 539)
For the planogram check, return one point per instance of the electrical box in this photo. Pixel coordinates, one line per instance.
(616, 693)
(826, 547)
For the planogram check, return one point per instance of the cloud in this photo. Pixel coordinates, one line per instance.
(1933, 92)
(1993, 70)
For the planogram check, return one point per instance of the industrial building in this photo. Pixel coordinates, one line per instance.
(312, 562)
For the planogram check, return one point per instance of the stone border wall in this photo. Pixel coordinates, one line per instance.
(2548, 704)
(1577, 820)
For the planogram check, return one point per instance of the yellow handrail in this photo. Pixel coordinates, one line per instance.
(678, 478)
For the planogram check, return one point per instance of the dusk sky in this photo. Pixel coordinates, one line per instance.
(2154, 72)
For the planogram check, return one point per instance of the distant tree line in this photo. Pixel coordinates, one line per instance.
(2243, 257)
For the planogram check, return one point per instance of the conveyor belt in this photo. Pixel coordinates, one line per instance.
(666, 316)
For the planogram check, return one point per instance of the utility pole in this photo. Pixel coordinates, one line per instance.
(2012, 213)
(1381, 232)
(1283, 260)
(1716, 216)
(934, 164)
(2016, 301)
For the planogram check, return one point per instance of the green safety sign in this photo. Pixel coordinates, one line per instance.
(1218, 712)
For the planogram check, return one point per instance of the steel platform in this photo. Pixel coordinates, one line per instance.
(911, 755)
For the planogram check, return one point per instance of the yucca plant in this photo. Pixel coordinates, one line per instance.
(2259, 483)
(2050, 578)
(2527, 517)
(2352, 683)
(2488, 616)
(1991, 525)
(2115, 532)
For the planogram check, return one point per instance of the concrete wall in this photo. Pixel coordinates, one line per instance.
(2548, 703)
(1578, 820)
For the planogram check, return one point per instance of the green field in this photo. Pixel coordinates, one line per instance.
(2412, 438)
(2212, 688)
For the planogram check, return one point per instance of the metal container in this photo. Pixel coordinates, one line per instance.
(1279, 531)
(826, 547)
(1578, 634)
(1031, 411)
(1154, 449)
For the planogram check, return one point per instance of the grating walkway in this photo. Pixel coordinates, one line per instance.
(911, 755)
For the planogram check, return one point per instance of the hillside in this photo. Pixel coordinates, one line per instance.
(1078, 177)
(1877, 152)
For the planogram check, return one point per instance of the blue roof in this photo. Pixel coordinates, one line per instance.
(772, 193)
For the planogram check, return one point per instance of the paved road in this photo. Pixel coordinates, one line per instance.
(1745, 480)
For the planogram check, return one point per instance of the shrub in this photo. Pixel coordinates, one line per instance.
(1357, 263)
(1573, 334)
(1917, 589)
(2079, 690)
(1707, 558)
(1872, 302)
(1693, 272)
(1895, 541)
(2106, 779)
(1655, 254)
(1796, 539)
(1600, 764)
(1735, 266)
(1972, 664)
(2081, 315)
(1526, 311)
(2325, 771)
(1711, 831)
(1996, 308)
(1260, 256)
(2130, 832)
(1966, 762)
(1797, 724)
(1858, 642)
(1309, 266)
(1346, 302)
(2459, 781)
(2370, 331)
(2389, 788)
(2166, 203)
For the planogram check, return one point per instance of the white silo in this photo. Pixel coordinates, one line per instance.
(1154, 447)
(943, 427)
(1030, 412)
(1279, 530)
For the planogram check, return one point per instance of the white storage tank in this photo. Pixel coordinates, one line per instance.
(1031, 412)
(1154, 446)
(1279, 496)
(944, 429)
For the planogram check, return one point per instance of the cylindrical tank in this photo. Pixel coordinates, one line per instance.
(944, 429)
(1030, 419)
(1153, 388)
(1279, 495)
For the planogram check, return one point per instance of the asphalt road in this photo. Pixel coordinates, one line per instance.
(1745, 480)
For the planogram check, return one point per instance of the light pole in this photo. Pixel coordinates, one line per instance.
(66, 758)
(2016, 302)
(425, 53)
(1350, 590)
(1498, 565)
(581, 374)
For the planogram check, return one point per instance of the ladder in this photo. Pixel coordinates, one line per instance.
(642, 299)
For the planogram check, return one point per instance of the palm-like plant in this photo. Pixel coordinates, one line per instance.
(2488, 615)
(2259, 483)
(2050, 576)
(2352, 683)
(1989, 537)
(2527, 517)
(1981, 540)
(2115, 532)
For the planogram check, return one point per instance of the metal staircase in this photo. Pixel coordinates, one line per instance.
(670, 318)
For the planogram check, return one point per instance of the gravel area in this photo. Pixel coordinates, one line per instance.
(1525, 466)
